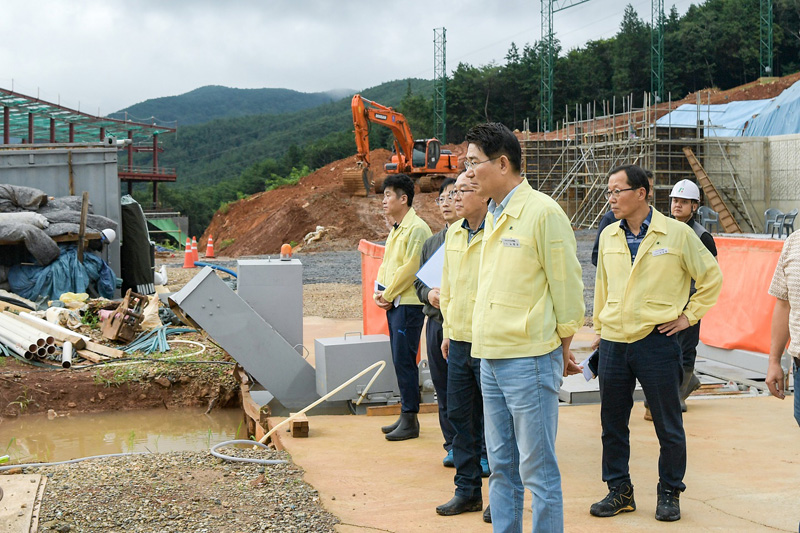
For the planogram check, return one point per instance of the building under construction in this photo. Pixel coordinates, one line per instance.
(741, 176)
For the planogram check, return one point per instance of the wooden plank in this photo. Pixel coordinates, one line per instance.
(387, 410)
(299, 426)
(108, 351)
(91, 356)
(82, 225)
(257, 415)
(5, 306)
(713, 197)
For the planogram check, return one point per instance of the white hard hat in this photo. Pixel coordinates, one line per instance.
(685, 189)
(109, 235)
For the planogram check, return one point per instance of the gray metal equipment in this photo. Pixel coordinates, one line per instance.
(340, 358)
(52, 168)
(254, 343)
(274, 289)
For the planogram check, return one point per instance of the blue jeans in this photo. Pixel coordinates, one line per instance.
(796, 392)
(405, 328)
(465, 411)
(438, 366)
(520, 406)
(656, 362)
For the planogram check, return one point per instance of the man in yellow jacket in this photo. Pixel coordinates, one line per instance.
(462, 255)
(528, 306)
(395, 293)
(645, 267)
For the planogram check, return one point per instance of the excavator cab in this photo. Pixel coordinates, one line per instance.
(433, 153)
(419, 156)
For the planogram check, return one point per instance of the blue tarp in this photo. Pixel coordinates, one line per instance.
(780, 117)
(65, 274)
(719, 120)
(748, 118)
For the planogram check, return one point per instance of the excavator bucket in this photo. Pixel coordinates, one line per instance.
(356, 181)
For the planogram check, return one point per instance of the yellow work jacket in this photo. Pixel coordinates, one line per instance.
(401, 259)
(530, 291)
(630, 300)
(459, 281)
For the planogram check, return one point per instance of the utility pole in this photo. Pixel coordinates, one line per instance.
(439, 85)
(548, 53)
(765, 38)
(657, 50)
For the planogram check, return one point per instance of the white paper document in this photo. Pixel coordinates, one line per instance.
(586, 372)
(380, 287)
(431, 272)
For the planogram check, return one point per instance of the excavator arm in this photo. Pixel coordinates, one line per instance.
(366, 111)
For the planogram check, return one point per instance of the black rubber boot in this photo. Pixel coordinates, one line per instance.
(408, 428)
(689, 384)
(391, 427)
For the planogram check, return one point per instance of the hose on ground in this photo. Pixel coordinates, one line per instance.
(218, 455)
(78, 460)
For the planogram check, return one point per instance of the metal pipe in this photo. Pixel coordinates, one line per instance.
(66, 355)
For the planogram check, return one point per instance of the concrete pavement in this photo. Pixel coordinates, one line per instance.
(743, 471)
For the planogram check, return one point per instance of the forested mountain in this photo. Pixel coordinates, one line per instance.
(226, 159)
(715, 44)
(214, 101)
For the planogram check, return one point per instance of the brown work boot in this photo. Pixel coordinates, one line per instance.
(647, 415)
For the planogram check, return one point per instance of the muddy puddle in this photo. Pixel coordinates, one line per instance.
(37, 438)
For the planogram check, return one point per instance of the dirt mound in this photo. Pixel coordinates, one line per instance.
(261, 223)
(758, 90)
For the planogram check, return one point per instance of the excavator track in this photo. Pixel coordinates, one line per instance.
(425, 184)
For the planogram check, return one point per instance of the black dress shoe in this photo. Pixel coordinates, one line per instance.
(459, 505)
(487, 514)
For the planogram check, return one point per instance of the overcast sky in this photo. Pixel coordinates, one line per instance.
(107, 55)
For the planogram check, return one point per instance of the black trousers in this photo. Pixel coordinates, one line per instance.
(438, 366)
(656, 362)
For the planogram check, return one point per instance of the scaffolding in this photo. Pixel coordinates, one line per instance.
(572, 164)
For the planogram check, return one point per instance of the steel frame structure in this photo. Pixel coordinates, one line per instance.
(440, 84)
(549, 7)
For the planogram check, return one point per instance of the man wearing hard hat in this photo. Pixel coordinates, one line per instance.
(684, 201)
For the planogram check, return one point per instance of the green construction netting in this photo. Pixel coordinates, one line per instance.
(169, 229)
(47, 116)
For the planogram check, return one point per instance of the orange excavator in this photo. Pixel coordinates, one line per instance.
(423, 160)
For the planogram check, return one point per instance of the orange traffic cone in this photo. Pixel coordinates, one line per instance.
(195, 255)
(210, 247)
(188, 259)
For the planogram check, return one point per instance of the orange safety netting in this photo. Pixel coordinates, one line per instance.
(742, 317)
(374, 317)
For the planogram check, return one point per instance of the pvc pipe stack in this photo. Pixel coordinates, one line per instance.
(26, 336)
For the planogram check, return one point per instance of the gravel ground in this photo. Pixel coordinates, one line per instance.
(181, 492)
(319, 267)
(332, 280)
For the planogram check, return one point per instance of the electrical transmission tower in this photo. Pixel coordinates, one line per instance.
(548, 56)
(657, 50)
(439, 85)
(765, 37)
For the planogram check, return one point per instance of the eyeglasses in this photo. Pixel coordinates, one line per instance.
(615, 193)
(444, 199)
(459, 193)
(470, 165)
